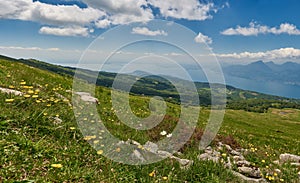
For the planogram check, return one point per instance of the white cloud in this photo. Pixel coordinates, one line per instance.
(123, 11)
(145, 31)
(101, 13)
(184, 9)
(27, 48)
(282, 53)
(48, 14)
(254, 29)
(65, 31)
(200, 38)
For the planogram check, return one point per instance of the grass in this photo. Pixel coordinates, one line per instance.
(35, 146)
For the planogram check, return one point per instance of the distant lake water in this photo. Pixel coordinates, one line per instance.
(272, 88)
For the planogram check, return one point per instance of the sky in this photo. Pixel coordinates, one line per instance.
(233, 31)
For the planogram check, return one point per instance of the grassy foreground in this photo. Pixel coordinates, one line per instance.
(40, 140)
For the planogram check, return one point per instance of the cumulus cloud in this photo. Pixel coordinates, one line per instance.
(201, 38)
(282, 53)
(145, 31)
(65, 31)
(101, 13)
(254, 29)
(184, 9)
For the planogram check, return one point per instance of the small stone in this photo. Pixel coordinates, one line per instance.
(235, 153)
(248, 179)
(277, 170)
(276, 162)
(152, 147)
(295, 164)
(284, 158)
(137, 155)
(238, 158)
(243, 163)
(228, 148)
(228, 164)
(251, 172)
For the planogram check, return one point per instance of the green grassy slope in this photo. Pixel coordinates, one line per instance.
(32, 140)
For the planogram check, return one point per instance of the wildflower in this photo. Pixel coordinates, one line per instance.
(96, 142)
(35, 96)
(275, 174)
(9, 100)
(11, 87)
(45, 114)
(263, 161)
(152, 173)
(8, 75)
(169, 135)
(48, 105)
(163, 133)
(89, 137)
(72, 128)
(27, 96)
(30, 92)
(118, 149)
(37, 91)
(100, 152)
(56, 165)
(165, 178)
(38, 101)
(23, 83)
(281, 180)
(224, 155)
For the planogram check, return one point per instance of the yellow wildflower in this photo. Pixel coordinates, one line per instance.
(165, 178)
(35, 96)
(30, 92)
(263, 161)
(100, 152)
(152, 173)
(8, 75)
(118, 149)
(23, 83)
(27, 96)
(281, 180)
(72, 128)
(56, 165)
(11, 87)
(9, 100)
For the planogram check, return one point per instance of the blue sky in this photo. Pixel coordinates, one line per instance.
(236, 31)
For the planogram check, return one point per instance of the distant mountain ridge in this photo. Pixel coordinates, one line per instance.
(287, 73)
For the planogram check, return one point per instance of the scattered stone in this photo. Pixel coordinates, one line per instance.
(57, 120)
(228, 148)
(238, 158)
(137, 155)
(295, 164)
(251, 172)
(284, 158)
(10, 91)
(235, 153)
(87, 97)
(152, 147)
(228, 164)
(209, 157)
(184, 163)
(248, 179)
(276, 162)
(277, 171)
(243, 163)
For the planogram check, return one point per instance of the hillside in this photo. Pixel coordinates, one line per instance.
(41, 142)
(158, 86)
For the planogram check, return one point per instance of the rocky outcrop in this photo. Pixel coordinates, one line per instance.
(10, 91)
(244, 170)
(87, 97)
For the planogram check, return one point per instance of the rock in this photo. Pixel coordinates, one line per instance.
(184, 163)
(238, 158)
(208, 150)
(277, 171)
(296, 164)
(57, 120)
(9, 91)
(228, 164)
(228, 148)
(152, 147)
(284, 158)
(299, 175)
(276, 162)
(87, 97)
(243, 163)
(206, 156)
(137, 155)
(251, 172)
(248, 179)
(235, 153)
(164, 154)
